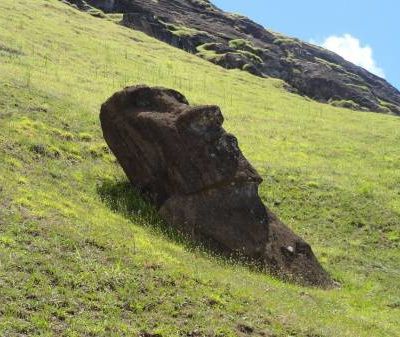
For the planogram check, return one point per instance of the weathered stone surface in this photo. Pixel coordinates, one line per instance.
(234, 41)
(193, 171)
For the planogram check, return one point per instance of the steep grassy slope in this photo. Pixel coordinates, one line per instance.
(82, 255)
(236, 42)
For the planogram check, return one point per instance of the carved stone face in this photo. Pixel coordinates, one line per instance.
(181, 149)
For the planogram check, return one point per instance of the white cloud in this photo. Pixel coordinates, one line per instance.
(351, 49)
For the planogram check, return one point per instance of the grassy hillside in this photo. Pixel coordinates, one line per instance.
(82, 255)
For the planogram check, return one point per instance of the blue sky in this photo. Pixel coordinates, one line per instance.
(367, 32)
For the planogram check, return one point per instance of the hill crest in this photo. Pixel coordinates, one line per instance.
(236, 42)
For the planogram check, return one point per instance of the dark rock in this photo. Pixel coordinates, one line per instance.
(310, 70)
(193, 171)
(248, 330)
(94, 10)
(156, 27)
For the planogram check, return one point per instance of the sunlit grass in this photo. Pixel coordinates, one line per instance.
(82, 256)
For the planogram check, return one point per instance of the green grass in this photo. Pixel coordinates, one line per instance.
(244, 45)
(349, 104)
(387, 106)
(183, 31)
(207, 52)
(286, 41)
(81, 254)
(331, 65)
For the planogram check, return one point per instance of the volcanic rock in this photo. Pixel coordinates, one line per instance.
(235, 42)
(193, 171)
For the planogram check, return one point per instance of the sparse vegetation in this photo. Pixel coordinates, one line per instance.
(81, 254)
(251, 56)
(246, 67)
(331, 65)
(210, 52)
(388, 106)
(358, 86)
(247, 48)
(348, 104)
(239, 44)
(115, 17)
(287, 42)
(180, 30)
(207, 52)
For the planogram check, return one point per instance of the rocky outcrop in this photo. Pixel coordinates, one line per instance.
(193, 171)
(234, 41)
